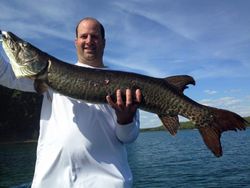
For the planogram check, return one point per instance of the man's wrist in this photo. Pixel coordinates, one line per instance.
(124, 122)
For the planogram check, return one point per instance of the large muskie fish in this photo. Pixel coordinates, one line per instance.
(161, 96)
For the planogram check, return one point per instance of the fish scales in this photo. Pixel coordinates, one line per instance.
(163, 97)
(94, 85)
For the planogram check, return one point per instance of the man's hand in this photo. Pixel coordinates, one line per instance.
(125, 112)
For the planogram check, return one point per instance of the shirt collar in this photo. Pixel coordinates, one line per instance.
(87, 66)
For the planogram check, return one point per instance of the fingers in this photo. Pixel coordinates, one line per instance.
(119, 104)
(138, 96)
(119, 100)
(125, 110)
(129, 99)
(110, 101)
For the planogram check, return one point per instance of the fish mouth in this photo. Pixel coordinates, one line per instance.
(8, 40)
(3, 35)
(8, 44)
(2, 32)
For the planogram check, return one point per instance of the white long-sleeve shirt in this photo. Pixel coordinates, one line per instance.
(80, 144)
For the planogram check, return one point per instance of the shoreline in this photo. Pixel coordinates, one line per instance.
(18, 142)
(160, 128)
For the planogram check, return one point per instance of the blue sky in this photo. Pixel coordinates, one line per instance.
(208, 39)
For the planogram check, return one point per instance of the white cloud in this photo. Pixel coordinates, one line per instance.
(149, 120)
(224, 101)
(210, 92)
(241, 106)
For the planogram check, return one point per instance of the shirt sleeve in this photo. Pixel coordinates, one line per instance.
(8, 78)
(129, 132)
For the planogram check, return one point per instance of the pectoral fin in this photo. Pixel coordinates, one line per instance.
(40, 86)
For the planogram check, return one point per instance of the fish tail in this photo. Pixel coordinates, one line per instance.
(223, 120)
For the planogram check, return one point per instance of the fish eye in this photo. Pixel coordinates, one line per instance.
(23, 44)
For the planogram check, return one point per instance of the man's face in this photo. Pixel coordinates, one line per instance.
(89, 42)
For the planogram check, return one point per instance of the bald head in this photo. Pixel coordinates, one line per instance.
(102, 30)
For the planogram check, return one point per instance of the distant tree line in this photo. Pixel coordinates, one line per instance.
(19, 115)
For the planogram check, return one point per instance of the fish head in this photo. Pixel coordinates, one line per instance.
(26, 60)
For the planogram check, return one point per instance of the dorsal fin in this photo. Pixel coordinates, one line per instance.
(180, 81)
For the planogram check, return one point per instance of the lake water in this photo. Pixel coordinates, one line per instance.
(157, 160)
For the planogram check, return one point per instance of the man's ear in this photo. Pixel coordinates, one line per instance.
(75, 41)
(104, 43)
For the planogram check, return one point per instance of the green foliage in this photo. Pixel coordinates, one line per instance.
(20, 114)
(183, 125)
(248, 119)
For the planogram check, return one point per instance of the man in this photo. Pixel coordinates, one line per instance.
(82, 144)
